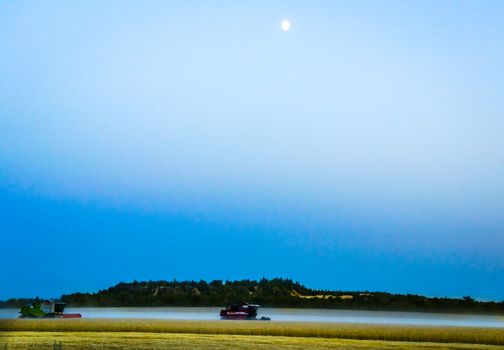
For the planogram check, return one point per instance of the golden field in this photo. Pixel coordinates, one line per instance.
(167, 334)
(172, 341)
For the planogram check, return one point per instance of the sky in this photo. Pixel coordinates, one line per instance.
(158, 140)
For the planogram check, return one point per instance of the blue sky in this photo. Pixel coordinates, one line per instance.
(361, 150)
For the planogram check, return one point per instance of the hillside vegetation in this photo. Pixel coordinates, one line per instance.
(268, 293)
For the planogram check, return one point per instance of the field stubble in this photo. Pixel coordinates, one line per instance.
(166, 334)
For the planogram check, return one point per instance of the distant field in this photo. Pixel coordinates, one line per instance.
(167, 334)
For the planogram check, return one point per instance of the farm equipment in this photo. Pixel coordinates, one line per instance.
(243, 311)
(46, 309)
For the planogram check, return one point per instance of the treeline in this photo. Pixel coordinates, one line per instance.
(275, 292)
(268, 293)
(16, 303)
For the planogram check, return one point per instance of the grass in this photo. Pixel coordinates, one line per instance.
(462, 335)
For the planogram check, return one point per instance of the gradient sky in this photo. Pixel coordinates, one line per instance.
(361, 150)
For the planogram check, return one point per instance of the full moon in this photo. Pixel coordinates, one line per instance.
(285, 25)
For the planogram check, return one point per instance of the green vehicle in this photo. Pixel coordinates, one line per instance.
(45, 309)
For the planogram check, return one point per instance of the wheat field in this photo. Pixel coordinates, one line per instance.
(175, 341)
(274, 330)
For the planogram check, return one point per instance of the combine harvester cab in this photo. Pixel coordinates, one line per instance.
(243, 311)
(46, 309)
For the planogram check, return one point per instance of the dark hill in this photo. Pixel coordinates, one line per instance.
(273, 293)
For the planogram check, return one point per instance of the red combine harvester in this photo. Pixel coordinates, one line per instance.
(243, 311)
(46, 309)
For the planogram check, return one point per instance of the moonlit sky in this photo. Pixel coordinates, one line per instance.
(361, 150)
